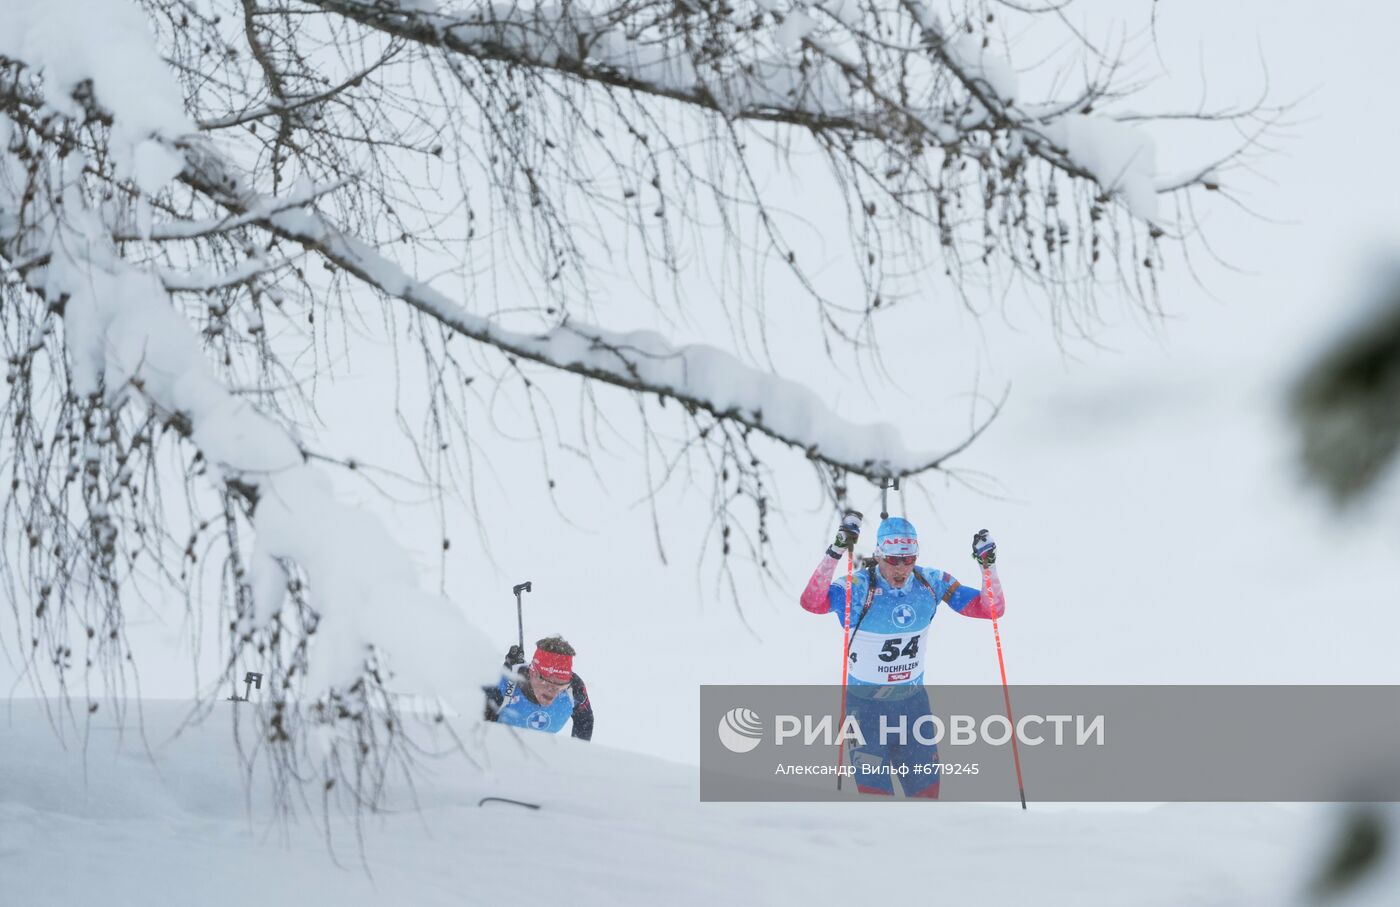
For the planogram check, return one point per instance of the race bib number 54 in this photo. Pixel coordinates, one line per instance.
(881, 658)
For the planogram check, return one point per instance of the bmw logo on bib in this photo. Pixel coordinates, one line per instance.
(538, 720)
(903, 615)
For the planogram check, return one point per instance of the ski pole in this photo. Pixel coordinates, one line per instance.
(520, 613)
(1006, 693)
(846, 538)
(845, 664)
(520, 628)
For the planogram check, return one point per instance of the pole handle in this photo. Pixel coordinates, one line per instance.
(885, 485)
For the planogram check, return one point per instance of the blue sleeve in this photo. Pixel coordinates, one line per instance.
(836, 595)
(495, 699)
(962, 597)
(988, 602)
(947, 589)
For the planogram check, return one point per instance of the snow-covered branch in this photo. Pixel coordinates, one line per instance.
(700, 378)
(851, 92)
(319, 592)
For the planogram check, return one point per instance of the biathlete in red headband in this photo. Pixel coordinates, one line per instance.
(543, 696)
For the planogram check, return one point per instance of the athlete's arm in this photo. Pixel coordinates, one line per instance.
(512, 672)
(495, 699)
(988, 603)
(817, 596)
(583, 709)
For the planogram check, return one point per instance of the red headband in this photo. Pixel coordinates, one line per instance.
(553, 666)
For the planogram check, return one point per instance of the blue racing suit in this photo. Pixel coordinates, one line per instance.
(886, 661)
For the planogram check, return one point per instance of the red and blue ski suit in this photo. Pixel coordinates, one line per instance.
(886, 663)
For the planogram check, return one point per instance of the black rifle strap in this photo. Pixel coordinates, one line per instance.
(869, 597)
(947, 596)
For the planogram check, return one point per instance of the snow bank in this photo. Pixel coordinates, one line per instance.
(612, 828)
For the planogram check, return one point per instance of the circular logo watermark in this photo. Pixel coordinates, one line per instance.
(740, 730)
(538, 720)
(903, 615)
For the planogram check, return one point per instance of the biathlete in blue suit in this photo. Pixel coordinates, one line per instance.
(893, 601)
(546, 695)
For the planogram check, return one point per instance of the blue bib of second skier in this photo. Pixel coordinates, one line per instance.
(521, 712)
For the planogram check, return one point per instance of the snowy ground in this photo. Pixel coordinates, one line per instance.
(107, 826)
(1153, 530)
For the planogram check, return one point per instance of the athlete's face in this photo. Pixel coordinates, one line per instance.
(544, 689)
(896, 570)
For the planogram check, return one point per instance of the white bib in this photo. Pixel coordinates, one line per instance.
(888, 657)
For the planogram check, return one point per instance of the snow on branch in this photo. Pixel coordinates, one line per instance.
(1119, 158)
(126, 339)
(847, 83)
(102, 364)
(699, 377)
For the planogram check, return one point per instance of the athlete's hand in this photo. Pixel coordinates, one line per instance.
(514, 656)
(984, 550)
(847, 535)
